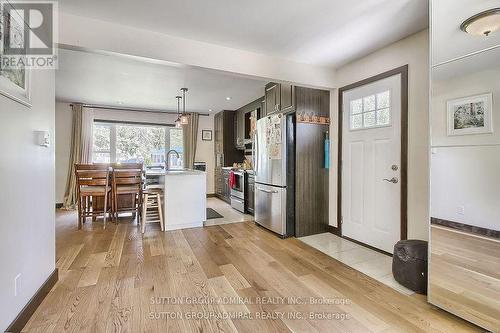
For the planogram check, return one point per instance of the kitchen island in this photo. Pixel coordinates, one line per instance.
(185, 197)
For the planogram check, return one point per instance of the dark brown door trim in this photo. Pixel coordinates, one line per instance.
(403, 70)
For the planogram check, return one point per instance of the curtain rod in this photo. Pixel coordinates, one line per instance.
(133, 109)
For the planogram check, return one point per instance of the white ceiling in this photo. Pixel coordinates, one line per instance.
(322, 32)
(448, 40)
(122, 82)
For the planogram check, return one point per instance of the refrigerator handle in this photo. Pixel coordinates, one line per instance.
(267, 191)
(255, 153)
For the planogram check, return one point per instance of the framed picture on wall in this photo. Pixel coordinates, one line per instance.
(206, 135)
(14, 81)
(470, 115)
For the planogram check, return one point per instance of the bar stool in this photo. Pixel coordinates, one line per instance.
(152, 208)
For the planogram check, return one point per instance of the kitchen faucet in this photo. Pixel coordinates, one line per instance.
(168, 158)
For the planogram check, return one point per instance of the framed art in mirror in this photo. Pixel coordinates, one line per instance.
(470, 115)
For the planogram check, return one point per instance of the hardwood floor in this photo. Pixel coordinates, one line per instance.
(116, 280)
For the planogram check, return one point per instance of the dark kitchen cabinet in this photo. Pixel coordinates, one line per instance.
(239, 125)
(272, 98)
(279, 98)
(224, 148)
(311, 177)
(226, 190)
(250, 193)
(287, 98)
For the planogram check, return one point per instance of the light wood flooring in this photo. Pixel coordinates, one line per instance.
(113, 281)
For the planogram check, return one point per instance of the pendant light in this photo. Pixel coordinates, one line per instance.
(184, 117)
(178, 120)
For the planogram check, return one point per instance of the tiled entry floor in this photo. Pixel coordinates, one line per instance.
(230, 215)
(365, 260)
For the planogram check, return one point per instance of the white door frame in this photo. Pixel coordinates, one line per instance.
(403, 71)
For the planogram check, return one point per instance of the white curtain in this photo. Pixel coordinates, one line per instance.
(81, 149)
(190, 140)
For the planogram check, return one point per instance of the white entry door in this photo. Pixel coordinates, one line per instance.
(371, 163)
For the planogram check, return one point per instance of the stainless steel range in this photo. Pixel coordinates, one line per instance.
(238, 191)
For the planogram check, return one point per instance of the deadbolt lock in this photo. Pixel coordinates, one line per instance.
(394, 167)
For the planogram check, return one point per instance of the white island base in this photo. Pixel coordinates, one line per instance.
(185, 199)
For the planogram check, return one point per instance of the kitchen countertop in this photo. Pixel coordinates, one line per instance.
(239, 169)
(180, 172)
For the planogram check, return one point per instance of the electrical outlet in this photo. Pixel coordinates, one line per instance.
(17, 283)
(461, 210)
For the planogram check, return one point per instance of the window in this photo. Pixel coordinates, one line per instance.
(102, 143)
(131, 143)
(371, 111)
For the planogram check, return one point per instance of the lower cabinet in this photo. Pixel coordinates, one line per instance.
(219, 188)
(226, 192)
(250, 194)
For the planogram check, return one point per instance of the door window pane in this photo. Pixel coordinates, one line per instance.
(369, 103)
(357, 106)
(357, 121)
(369, 119)
(383, 100)
(371, 111)
(383, 117)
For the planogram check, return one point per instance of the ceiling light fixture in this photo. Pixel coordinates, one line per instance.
(178, 120)
(184, 117)
(228, 98)
(482, 24)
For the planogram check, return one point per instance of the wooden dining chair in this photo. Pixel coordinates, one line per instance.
(97, 203)
(93, 166)
(90, 185)
(127, 182)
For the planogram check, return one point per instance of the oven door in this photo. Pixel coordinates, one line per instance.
(239, 182)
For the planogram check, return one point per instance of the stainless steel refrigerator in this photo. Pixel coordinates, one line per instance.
(271, 153)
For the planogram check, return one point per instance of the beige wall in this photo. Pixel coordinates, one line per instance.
(27, 234)
(413, 51)
(204, 149)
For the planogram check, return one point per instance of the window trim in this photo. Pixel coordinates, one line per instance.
(112, 140)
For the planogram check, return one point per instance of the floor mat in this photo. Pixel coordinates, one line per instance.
(212, 214)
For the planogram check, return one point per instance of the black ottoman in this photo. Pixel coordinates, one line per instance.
(409, 264)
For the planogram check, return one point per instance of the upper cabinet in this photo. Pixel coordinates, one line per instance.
(242, 124)
(448, 41)
(287, 96)
(240, 129)
(279, 98)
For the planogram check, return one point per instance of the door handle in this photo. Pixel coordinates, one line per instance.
(393, 180)
(266, 191)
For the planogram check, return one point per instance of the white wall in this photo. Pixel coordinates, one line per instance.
(97, 35)
(413, 51)
(204, 149)
(27, 234)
